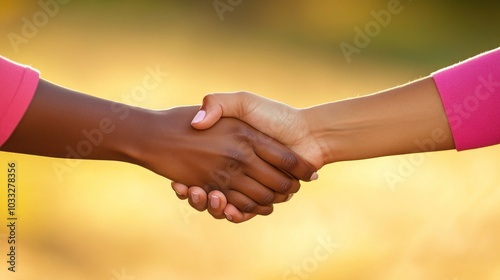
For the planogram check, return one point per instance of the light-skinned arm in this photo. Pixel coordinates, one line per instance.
(455, 107)
(405, 119)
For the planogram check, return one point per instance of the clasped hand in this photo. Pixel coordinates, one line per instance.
(250, 169)
(285, 124)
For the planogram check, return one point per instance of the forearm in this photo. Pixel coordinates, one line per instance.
(63, 123)
(231, 157)
(401, 120)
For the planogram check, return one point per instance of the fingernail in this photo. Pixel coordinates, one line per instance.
(214, 201)
(195, 197)
(314, 176)
(289, 197)
(199, 116)
(229, 217)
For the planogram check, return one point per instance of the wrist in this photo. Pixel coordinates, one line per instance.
(396, 121)
(338, 129)
(159, 140)
(130, 129)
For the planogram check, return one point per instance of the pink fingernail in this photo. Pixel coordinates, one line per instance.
(195, 197)
(314, 176)
(229, 217)
(214, 201)
(199, 116)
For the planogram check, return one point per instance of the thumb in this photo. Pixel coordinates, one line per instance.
(219, 105)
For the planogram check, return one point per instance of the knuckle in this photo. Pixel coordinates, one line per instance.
(289, 161)
(210, 187)
(221, 180)
(285, 185)
(268, 198)
(242, 94)
(207, 98)
(244, 134)
(233, 167)
(249, 207)
(235, 156)
(245, 150)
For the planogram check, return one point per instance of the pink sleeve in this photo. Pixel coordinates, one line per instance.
(17, 87)
(470, 92)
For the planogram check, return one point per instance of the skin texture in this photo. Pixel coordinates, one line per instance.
(401, 120)
(249, 169)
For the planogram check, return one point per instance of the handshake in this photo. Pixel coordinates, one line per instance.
(267, 146)
(240, 153)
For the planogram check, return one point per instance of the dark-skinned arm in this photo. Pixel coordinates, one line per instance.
(251, 169)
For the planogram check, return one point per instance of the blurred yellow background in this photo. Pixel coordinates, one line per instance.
(108, 220)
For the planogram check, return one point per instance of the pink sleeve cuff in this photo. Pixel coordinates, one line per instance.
(17, 87)
(470, 92)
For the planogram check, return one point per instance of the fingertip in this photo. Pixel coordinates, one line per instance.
(314, 176)
(229, 217)
(180, 190)
(269, 211)
(217, 200)
(197, 198)
(214, 201)
(206, 118)
(216, 204)
(212, 109)
(231, 211)
(235, 216)
(309, 175)
(198, 117)
(307, 172)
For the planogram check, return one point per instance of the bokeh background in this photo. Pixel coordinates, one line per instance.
(108, 220)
